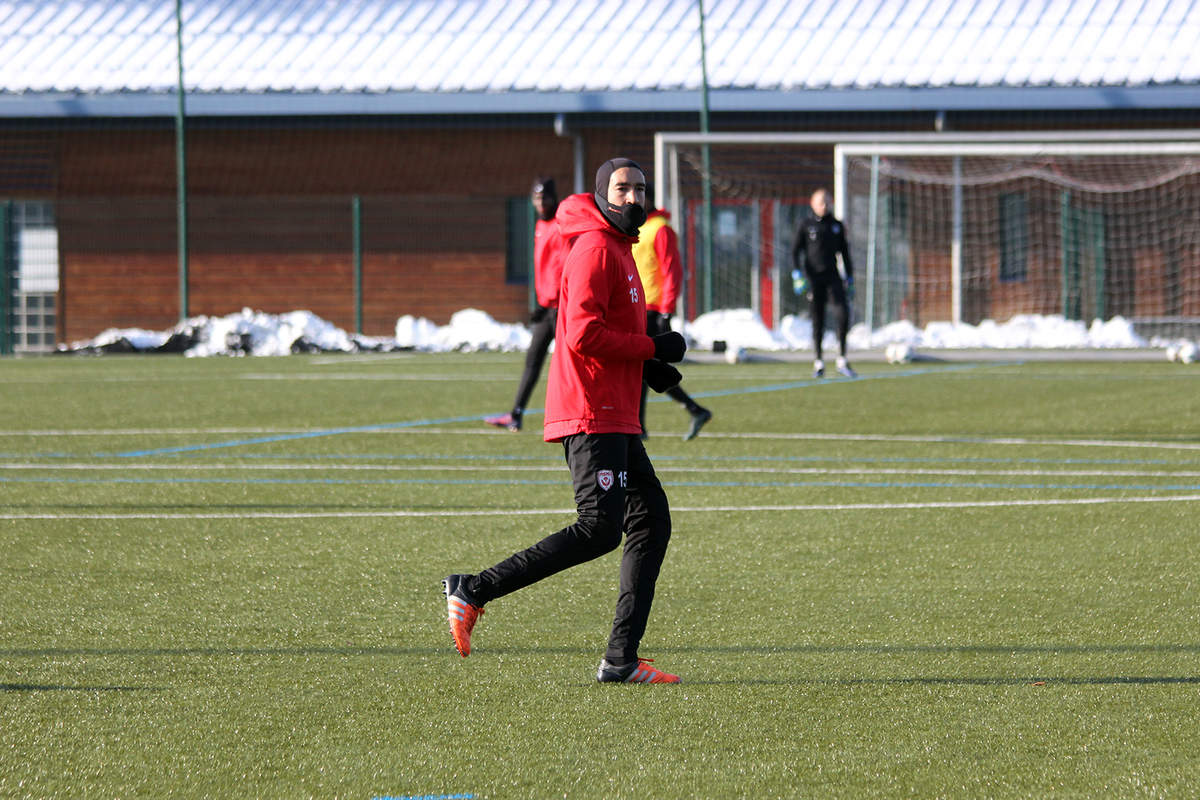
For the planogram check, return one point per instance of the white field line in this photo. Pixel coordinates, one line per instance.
(491, 512)
(483, 431)
(368, 376)
(669, 469)
(336, 359)
(963, 439)
(451, 377)
(373, 358)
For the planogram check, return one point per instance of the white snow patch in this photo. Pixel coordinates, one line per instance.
(261, 334)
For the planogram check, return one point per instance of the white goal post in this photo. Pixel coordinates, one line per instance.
(947, 226)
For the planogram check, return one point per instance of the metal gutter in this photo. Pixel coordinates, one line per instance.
(243, 104)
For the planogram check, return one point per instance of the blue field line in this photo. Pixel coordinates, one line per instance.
(285, 437)
(193, 448)
(183, 481)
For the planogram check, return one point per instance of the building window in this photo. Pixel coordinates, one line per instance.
(1014, 237)
(31, 242)
(518, 263)
(33, 322)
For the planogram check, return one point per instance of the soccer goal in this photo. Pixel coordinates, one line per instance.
(948, 227)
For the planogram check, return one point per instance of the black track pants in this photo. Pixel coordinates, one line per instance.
(542, 334)
(616, 492)
(822, 288)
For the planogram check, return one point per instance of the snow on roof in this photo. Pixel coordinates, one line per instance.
(513, 48)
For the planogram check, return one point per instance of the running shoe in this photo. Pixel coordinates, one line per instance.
(844, 369)
(638, 671)
(505, 421)
(462, 613)
(699, 419)
(818, 369)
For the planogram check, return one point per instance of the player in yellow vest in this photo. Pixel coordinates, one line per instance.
(657, 255)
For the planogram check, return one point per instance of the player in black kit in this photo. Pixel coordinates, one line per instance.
(819, 239)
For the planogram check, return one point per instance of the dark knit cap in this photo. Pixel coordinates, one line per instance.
(604, 174)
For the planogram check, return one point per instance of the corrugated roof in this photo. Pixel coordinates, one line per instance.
(536, 53)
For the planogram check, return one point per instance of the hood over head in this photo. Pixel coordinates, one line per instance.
(626, 218)
(578, 214)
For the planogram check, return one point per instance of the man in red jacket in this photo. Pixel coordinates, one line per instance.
(592, 408)
(549, 252)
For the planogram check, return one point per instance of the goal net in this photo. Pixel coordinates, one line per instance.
(957, 231)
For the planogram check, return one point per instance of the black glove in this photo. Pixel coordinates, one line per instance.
(657, 323)
(660, 376)
(670, 346)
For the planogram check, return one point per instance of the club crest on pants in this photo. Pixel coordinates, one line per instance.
(605, 478)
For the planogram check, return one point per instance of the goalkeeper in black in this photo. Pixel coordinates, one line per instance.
(819, 240)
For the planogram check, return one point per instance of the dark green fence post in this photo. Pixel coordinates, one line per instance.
(181, 192)
(531, 219)
(1100, 267)
(1066, 232)
(7, 279)
(884, 223)
(706, 266)
(356, 217)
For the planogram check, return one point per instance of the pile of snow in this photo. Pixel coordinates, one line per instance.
(469, 329)
(127, 340)
(1183, 352)
(260, 334)
(257, 333)
(245, 333)
(743, 328)
(899, 353)
(739, 328)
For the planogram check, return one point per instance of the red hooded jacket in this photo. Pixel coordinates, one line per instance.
(595, 383)
(549, 251)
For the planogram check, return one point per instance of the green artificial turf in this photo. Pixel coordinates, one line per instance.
(220, 578)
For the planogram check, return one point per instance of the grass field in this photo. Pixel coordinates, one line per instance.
(221, 579)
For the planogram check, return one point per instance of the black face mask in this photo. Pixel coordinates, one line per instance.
(627, 218)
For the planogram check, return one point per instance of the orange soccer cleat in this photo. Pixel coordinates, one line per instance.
(462, 613)
(507, 421)
(638, 671)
